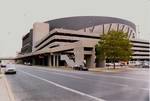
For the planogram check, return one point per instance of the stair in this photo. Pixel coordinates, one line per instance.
(69, 62)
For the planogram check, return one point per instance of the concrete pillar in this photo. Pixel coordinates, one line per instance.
(33, 61)
(57, 60)
(43, 62)
(93, 57)
(54, 61)
(90, 59)
(79, 55)
(49, 61)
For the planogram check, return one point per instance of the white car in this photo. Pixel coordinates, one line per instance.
(10, 70)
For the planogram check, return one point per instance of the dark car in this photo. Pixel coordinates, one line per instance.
(83, 68)
(145, 65)
(3, 65)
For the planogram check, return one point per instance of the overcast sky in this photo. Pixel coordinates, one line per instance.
(18, 16)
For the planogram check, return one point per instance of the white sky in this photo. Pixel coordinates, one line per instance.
(18, 16)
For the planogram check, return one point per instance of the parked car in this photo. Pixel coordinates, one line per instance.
(145, 65)
(83, 68)
(3, 65)
(28, 63)
(10, 70)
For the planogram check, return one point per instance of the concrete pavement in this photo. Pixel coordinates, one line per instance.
(44, 84)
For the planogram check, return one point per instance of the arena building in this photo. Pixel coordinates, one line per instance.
(69, 41)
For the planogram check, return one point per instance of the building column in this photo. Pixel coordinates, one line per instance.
(93, 57)
(33, 61)
(54, 60)
(49, 61)
(90, 59)
(79, 55)
(57, 60)
(43, 62)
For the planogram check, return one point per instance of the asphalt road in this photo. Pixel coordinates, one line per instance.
(43, 84)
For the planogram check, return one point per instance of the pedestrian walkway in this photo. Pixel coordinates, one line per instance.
(5, 93)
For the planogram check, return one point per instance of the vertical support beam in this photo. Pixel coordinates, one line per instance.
(57, 60)
(43, 61)
(93, 57)
(54, 60)
(109, 27)
(117, 27)
(33, 61)
(49, 61)
(79, 55)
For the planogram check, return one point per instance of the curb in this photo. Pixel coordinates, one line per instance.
(110, 71)
(10, 94)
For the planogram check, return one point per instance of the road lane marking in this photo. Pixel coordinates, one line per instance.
(72, 76)
(88, 73)
(61, 86)
(112, 76)
(117, 84)
(143, 73)
(106, 82)
(66, 75)
(146, 89)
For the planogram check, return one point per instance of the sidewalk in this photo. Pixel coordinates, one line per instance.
(5, 91)
(110, 69)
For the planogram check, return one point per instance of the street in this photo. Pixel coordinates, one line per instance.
(33, 83)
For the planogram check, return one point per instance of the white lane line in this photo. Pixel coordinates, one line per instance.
(66, 75)
(72, 76)
(76, 77)
(109, 83)
(138, 73)
(66, 88)
(111, 76)
(146, 89)
(116, 84)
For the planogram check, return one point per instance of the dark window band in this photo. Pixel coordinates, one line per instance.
(140, 55)
(141, 46)
(140, 50)
(140, 42)
(57, 40)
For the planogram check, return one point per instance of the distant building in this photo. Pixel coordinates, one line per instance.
(71, 41)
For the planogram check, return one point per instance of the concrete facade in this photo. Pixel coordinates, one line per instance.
(39, 31)
(71, 41)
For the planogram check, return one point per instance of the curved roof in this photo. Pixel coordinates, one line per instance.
(79, 22)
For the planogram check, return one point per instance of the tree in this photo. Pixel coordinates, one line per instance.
(114, 46)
